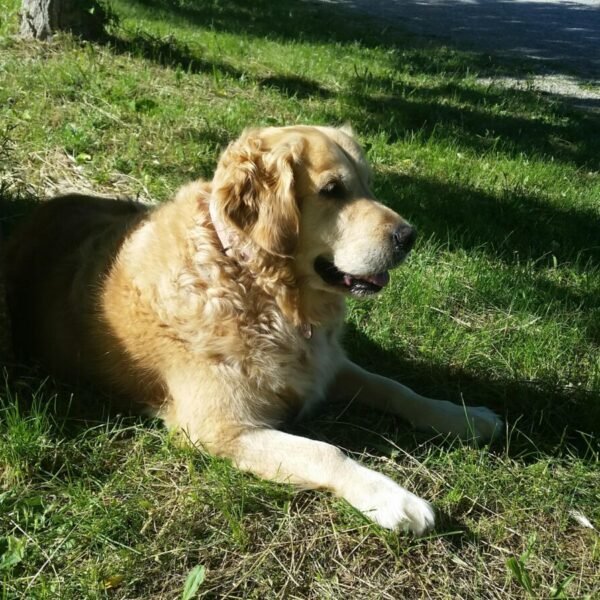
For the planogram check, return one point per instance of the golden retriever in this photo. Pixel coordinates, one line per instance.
(221, 311)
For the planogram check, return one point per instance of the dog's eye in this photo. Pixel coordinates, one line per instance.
(333, 189)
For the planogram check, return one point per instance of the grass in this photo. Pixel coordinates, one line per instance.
(499, 305)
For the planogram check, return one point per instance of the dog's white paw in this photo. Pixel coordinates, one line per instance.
(476, 423)
(388, 504)
(483, 424)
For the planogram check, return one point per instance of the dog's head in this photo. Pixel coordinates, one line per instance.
(304, 193)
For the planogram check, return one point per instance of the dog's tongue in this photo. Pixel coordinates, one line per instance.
(379, 279)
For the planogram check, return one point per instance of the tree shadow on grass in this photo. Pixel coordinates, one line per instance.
(478, 120)
(511, 226)
(170, 52)
(284, 21)
(539, 416)
(290, 21)
(14, 206)
(515, 228)
(475, 118)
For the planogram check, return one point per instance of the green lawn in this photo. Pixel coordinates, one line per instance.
(498, 305)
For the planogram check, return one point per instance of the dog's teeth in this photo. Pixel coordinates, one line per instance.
(348, 280)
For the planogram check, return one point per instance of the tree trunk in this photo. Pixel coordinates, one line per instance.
(41, 18)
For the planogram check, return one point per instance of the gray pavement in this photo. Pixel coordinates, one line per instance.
(562, 35)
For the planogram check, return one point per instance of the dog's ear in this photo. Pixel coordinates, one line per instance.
(254, 190)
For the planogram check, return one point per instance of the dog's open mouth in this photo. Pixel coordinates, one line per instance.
(363, 285)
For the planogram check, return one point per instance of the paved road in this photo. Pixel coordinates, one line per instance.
(557, 33)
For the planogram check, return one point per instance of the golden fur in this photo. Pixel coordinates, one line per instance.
(221, 311)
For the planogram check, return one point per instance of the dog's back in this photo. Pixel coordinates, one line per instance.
(61, 251)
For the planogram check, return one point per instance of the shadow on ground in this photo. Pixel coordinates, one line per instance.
(564, 36)
(511, 226)
(553, 32)
(479, 120)
(538, 417)
(476, 118)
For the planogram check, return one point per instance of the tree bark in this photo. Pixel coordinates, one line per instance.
(42, 18)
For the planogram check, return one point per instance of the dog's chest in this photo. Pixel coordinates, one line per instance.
(299, 377)
(324, 355)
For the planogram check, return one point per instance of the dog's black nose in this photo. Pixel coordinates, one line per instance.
(404, 238)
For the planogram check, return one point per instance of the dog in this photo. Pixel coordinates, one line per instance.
(221, 311)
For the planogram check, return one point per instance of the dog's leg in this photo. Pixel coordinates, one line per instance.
(210, 418)
(286, 458)
(470, 422)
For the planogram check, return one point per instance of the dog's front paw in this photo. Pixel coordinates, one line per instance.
(482, 423)
(388, 504)
(476, 423)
